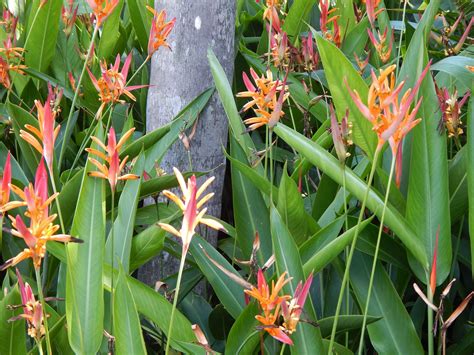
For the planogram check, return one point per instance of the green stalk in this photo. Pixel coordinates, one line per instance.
(175, 300)
(76, 94)
(377, 247)
(401, 36)
(112, 213)
(430, 319)
(282, 351)
(43, 306)
(351, 252)
(346, 250)
(38, 345)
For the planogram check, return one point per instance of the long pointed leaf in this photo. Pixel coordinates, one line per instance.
(84, 290)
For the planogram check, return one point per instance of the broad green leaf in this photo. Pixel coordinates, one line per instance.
(326, 254)
(155, 307)
(243, 337)
(226, 95)
(250, 210)
(307, 339)
(470, 176)
(356, 39)
(20, 118)
(347, 19)
(394, 333)
(84, 289)
(332, 167)
(12, 334)
(297, 15)
(337, 348)
(427, 208)
(145, 142)
(43, 29)
(344, 324)
(69, 192)
(228, 291)
(146, 245)
(110, 33)
(339, 69)
(458, 186)
(456, 69)
(127, 329)
(123, 224)
(291, 207)
(141, 22)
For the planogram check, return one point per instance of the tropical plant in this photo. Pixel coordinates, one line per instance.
(331, 243)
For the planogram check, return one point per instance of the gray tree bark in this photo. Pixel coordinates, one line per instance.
(177, 77)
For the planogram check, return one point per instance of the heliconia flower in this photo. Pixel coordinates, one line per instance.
(190, 203)
(68, 16)
(457, 48)
(5, 69)
(309, 53)
(32, 310)
(112, 166)
(160, 29)
(362, 63)
(34, 197)
(268, 325)
(111, 84)
(42, 228)
(470, 68)
(271, 9)
(10, 51)
(6, 180)
(325, 20)
(371, 5)
(9, 22)
(268, 299)
(265, 96)
(451, 111)
(382, 48)
(43, 139)
(292, 310)
(341, 134)
(102, 9)
(434, 265)
(279, 49)
(390, 119)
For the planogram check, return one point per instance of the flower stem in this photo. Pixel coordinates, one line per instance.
(76, 94)
(401, 36)
(112, 213)
(175, 300)
(43, 306)
(430, 318)
(282, 351)
(351, 251)
(374, 264)
(39, 346)
(346, 250)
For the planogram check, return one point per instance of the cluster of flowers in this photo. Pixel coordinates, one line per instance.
(275, 306)
(41, 228)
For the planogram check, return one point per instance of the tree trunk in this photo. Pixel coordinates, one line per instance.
(177, 77)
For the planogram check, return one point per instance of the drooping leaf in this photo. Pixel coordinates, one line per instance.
(110, 32)
(331, 166)
(229, 292)
(140, 20)
(297, 15)
(146, 245)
